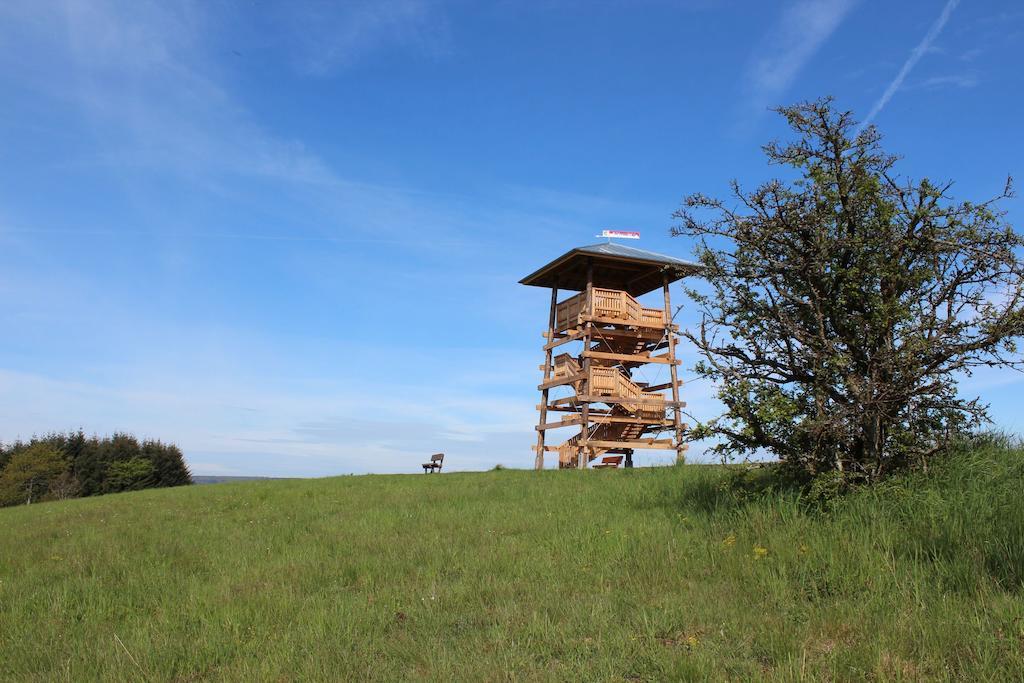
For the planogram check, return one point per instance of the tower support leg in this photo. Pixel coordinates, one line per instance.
(677, 422)
(584, 453)
(538, 462)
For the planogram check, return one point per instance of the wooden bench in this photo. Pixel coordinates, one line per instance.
(612, 461)
(435, 463)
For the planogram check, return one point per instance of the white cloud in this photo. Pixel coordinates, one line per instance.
(799, 33)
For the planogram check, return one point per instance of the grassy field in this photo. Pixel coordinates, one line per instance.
(649, 574)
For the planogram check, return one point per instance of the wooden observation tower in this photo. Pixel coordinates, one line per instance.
(599, 346)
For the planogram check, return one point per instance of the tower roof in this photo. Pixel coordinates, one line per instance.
(616, 266)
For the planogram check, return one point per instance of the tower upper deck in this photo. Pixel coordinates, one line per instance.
(615, 266)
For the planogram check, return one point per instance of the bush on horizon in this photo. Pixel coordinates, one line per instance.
(58, 466)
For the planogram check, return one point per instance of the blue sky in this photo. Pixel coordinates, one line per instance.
(287, 236)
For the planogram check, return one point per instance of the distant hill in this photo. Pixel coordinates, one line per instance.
(650, 574)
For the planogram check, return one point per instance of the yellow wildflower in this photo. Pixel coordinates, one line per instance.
(760, 552)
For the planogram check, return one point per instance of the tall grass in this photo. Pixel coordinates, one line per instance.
(650, 574)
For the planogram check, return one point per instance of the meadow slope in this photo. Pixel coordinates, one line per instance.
(649, 574)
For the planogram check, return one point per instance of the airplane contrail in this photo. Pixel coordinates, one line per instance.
(912, 60)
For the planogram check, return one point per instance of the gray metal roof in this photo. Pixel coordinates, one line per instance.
(616, 249)
(615, 266)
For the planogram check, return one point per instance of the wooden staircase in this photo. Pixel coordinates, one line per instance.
(625, 420)
(609, 431)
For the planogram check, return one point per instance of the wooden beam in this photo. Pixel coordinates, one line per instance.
(625, 323)
(574, 409)
(571, 337)
(625, 419)
(640, 358)
(645, 334)
(559, 381)
(660, 387)
(652, 334)
(653, 444)
(564, 422)
(637, 401)
(597, 420)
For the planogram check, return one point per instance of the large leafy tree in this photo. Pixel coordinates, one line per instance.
(29, 473)
(846, 300)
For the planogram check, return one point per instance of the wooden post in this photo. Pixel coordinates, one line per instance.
(538, 463)
(583, 457)
(677, 420)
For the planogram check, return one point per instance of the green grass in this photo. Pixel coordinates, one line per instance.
(649, 574)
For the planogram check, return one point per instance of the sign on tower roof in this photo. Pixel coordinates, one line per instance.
(621, 234)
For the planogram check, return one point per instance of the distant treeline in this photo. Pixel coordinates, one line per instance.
(72, 465)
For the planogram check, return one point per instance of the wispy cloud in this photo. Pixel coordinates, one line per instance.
(327, 36)
(971, 55)
(153, 91)
(799, 33)
(955, 80)
(915, 56)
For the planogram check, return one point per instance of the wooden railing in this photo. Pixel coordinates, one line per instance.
(609, 305)
(570, 312)
(565, 366)
(654, 317)
(612, 382)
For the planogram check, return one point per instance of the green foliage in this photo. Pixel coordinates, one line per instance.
(130, 475)
(28, 474)
(845, 302)
(168, 463)
(116, 463)
(674, 573)
(827, 487)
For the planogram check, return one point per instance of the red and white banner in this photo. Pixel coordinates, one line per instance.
(620, 234)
